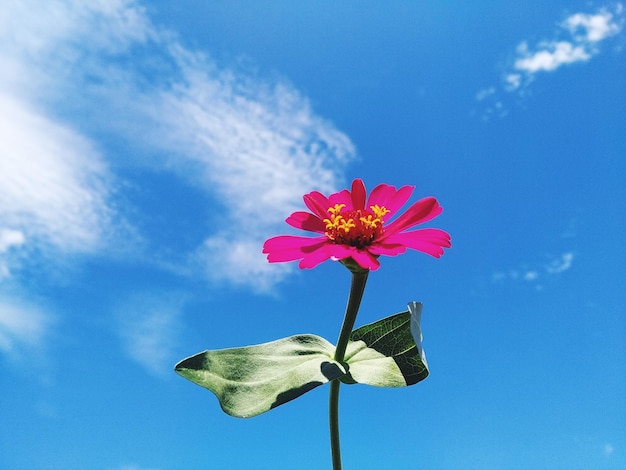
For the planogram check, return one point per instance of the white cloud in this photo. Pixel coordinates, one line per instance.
(484, 93)
(576, 40)
(254, 145)
(239, 261)
(530, 275)
(561, 264)
(22, 326)
(512, 81)
(592, 28)
(584, 32)
(537, 273)
(148, 330)
(9, 238)
(53, 202)
(259, 148)
(550, 56)
(52, 182)
(260, 145)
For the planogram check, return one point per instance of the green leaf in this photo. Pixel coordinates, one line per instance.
(251, 380)
(388, 353)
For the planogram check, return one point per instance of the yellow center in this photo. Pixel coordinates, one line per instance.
(354, 227)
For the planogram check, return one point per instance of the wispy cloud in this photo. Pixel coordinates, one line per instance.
(577, 39)
(584, 32)
(537, 273)
(9, 238)
(78, 78)
(23, 326)
(562, 263)
(53, 186)
(258, 147)
(147, 328)
(549, 57)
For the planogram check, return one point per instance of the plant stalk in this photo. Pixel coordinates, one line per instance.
(359, 279)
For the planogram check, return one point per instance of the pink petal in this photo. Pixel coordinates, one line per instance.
(317, 203)
(431, 241)
(342, 197)
(388, 249)
(314, 258)
(328, 251)
(306, 221)
(338, 251)
(362, 257)
(422, 211)
(392, 199)
(291, 248)
(365, 259)
(358, 194)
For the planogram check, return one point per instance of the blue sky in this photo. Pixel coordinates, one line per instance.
(147, 149)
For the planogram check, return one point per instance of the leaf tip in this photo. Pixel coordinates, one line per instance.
(194, 363)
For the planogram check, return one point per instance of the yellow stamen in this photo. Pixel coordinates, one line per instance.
(336, 209)
(332, 222)
(354, 227)
(379, 211)
(345, 225)
(369, 221)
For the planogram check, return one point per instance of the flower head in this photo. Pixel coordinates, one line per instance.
(353, 226)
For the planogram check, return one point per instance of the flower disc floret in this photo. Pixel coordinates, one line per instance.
(358, 228)
(349, 226)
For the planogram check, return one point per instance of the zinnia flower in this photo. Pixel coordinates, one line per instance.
(351, 228)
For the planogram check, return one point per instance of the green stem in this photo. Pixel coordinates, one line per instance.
(359, 278)
(333, 417)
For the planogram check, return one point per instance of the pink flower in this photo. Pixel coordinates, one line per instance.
(352, 228)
